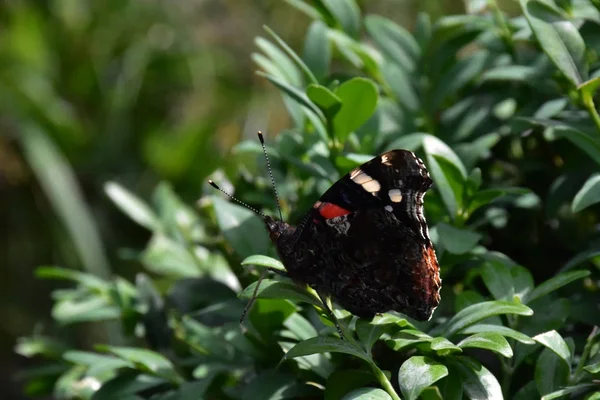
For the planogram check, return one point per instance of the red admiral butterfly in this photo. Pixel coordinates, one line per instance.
(365, 242)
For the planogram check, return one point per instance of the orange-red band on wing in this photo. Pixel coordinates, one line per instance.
(330, 210)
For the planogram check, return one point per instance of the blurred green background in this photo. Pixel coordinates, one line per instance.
(131, 91)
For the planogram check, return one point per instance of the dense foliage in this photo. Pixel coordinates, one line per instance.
(500, 108)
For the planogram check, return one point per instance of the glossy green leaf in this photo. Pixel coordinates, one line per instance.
(551, 372)
(87, 280)
(581, 258)
(489, 341)
(322, 344)
(125, 386)
(456, 240)
(369, 333)
(401, 85)
(554, 283)
(146, 360)
(407, 338)
(264, 261)
(242, 228)
(294, 93)
(588, 194)
(554, 342)
(395, 42)
(585, 141)
(317, 50)
(324, 98)
(417, 373)
(478, 382)
(292, 54)
(367, 393)
(559, 39)
(346, 13)
(85, 309)
(499, 329)
(470, 315)
(271, 289)
(131, 205)
(96, 363)
(345, 381)
(164, 256)
(572, 390)
(359, 100)
(443, 346)
(498, 279)
(593, 368)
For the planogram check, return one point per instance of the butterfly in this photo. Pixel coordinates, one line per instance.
(365, 243)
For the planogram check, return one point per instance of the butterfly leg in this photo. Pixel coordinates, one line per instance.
(331, 315)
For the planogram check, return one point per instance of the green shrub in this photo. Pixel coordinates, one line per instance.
(498, 107)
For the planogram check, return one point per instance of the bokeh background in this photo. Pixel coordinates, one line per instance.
(134, 91)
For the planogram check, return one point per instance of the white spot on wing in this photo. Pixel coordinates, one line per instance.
(385, 160)
(371, 186)
(389, 208)
(360, 177)
(395, 195)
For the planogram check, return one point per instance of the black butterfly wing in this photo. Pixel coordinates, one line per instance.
(366, 243)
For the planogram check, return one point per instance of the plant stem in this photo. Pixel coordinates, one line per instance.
(588, 101)
(585, 355)
(385, 382)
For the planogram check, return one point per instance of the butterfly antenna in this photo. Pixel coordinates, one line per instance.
(235, 199)
(262, 143)
(251, 301)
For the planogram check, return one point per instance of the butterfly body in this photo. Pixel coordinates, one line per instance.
(365, 242)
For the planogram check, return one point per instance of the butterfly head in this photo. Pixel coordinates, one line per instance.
(276, 228)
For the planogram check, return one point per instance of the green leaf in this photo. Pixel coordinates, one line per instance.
(498, 279)
(89, 281)
(455, 240)
(585, 141)
(324, 344)
(369, 333)
(554, 283)
(91, 308)
(401, 84)
(470, 315)
(145, 360)
(124, 386)
(407, 338)
(264, 261)
(394, 41)
(559, 39)
(581, 258)
(359, 100)
(277, 62)
(593, 368)
(242, 228)
(367, 393)
(499, 329)
(346, 13)
(317, 50)
(131, 205)
(417, 373)
(556, 343)
(292, 55)
(489, 341)
(325, 99)
(96, 364)
(296, 94)
(478, 382)
(444, 347)
(551, 372)
(164, 256)
(344, 381)
(487, 196)
(588, 194)
(447, 171)
(574, 390)
(271, 289)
